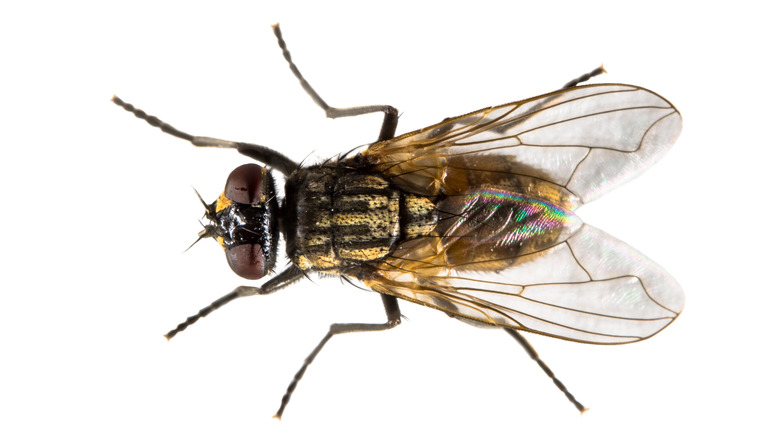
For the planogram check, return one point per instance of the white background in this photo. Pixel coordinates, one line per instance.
(98, 209)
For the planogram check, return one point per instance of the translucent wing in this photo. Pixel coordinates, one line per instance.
(507, 250)
(583, 140)
(589, 288)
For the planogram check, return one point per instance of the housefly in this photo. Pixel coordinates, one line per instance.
(473, 216)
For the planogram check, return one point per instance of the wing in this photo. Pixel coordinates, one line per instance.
(507, 250)
(589, 288)
(581, 142)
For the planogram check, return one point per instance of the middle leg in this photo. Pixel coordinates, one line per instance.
(389, 123)
(393, 319)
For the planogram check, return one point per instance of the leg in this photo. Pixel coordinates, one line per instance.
(393, 319)
(391, 114)
(585, 77)
(287, 277)
(552, 99)
(535, 356)
(260, 153)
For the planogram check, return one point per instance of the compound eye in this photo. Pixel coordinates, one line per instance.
(247, 260)
(246, 184)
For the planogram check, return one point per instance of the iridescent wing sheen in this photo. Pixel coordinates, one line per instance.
(589, 288)
(585, 140)
(508, 251)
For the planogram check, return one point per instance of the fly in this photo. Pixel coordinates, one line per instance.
(473, 216)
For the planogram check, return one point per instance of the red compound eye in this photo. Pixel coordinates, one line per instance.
(247, 260)
(246, 184)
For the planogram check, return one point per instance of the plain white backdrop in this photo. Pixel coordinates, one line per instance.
(98, 209)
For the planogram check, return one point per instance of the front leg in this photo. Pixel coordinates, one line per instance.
(284, 279)
(263, 154)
